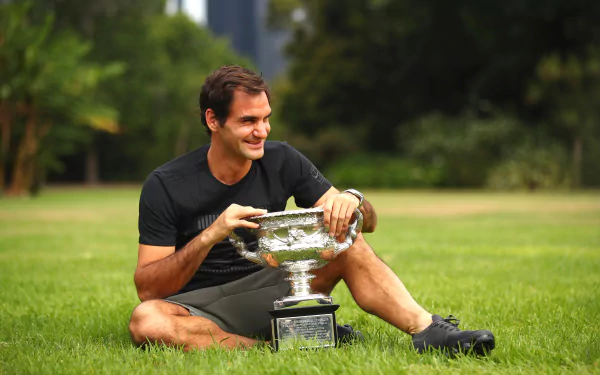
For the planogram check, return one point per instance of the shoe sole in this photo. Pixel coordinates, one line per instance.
(481, 345)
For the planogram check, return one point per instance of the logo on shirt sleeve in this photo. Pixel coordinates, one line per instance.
(316, 174)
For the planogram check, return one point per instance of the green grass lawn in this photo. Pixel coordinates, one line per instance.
(526, 266)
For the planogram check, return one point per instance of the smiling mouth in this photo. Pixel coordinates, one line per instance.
(254, 143)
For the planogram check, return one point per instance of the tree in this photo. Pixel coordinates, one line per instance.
(107, 25)
(373, 66)
(168, 58)
(162, 63)
(567, 89)
(45, 81)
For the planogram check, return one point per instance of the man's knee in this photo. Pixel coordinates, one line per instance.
(147, 321)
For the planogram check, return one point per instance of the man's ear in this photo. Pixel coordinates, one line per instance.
(211, 120)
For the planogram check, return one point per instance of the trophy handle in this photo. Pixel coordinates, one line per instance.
(242, 249)
(353, 230)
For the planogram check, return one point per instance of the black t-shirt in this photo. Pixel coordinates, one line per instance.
(182, 198)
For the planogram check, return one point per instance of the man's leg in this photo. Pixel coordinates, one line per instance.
(158, 321)
(377, 290)
(374, 286)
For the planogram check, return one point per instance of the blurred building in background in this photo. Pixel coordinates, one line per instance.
(244, 23)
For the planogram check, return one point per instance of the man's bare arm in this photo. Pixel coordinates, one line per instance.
(161, 271)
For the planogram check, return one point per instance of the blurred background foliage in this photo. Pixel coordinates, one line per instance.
(127, 71)
(379, 93)
(460, 94)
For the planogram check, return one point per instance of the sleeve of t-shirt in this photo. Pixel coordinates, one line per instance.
(157, 214)
(308, 183)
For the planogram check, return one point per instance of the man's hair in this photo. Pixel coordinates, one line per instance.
(218, 88)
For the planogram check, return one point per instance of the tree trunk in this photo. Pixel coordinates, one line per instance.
(22, 174)
(183, 139)
(37, 170)
(2, 174)
(5, 126)
(577, 158)
(92, 175)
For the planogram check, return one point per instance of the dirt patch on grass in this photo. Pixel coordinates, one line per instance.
(475, 208)
(55, 215)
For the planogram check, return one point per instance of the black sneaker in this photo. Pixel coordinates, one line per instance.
(347, 335)
(444, 334)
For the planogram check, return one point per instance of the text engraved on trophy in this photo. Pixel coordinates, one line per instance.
(306, 331)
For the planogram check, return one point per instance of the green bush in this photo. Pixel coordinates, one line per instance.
(531, 167)
(590, 174)
(464, 147)
(330, 145)
(382, 171)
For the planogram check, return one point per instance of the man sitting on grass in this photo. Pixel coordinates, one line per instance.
(196, 291)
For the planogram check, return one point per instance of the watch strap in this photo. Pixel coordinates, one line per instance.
(357, 194)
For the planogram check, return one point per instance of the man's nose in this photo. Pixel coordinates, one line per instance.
(260, 130)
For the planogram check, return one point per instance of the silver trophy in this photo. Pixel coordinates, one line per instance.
(297, 241)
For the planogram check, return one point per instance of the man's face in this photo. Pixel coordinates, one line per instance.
(244, 133)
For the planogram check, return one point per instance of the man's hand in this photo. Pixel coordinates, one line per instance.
(230, 219)
(338, 210)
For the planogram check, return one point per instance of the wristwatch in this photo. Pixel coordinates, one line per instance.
(357, 194)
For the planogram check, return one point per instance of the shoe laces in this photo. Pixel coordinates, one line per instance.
(449, 323)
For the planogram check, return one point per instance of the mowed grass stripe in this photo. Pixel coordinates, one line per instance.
(526, 266)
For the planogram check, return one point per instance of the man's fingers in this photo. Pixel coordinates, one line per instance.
(342, 219)
(337, 219)
(327, 213)
(345, 219)
(234, 216)
(341, 238)
(251, 211)
(248, 224)
(244, 212)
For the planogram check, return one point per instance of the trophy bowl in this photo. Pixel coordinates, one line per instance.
(297, 241)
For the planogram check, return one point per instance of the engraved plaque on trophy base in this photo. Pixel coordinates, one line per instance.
(304, 327)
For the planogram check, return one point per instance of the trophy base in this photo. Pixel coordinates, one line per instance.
(303, 301)
(310, 327)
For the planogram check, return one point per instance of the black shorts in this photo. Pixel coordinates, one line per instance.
(241, 306)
